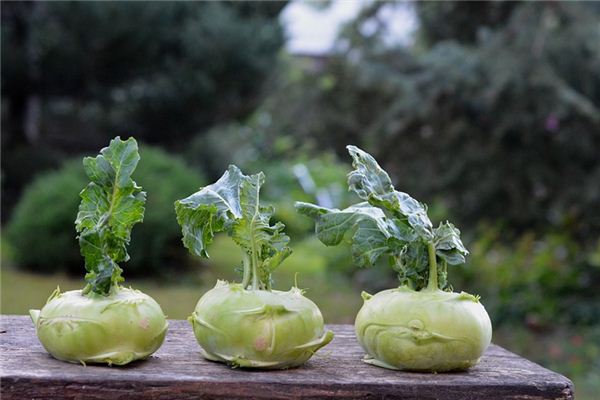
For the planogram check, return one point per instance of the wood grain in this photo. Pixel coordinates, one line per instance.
(177, 371)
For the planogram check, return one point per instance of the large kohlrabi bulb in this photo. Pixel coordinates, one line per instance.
(124, 326)
(258, 328)
(429, 330)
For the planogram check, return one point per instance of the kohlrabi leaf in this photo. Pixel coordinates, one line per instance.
(412, 265)
(232, 204)
(448, 245)
(371, 229)
(110, 205)
(368, 178)
(389, 223)
(265, 243)
(212, 209)
(371, 183)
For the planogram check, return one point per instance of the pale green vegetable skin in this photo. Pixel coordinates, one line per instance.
(125, 326)
(104, 322)
(416, 326)
(423, 331)
(258, 329)
(248, 324)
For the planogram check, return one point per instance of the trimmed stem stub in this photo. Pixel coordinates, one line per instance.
(34, 314)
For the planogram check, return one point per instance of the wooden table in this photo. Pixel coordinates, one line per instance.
(177, 371)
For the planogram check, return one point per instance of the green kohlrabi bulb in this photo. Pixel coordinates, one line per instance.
(124, 326)
(429, 330)
(258, 328)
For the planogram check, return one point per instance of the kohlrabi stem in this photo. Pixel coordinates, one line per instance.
(254, 249)
(255, 282)
(432, 284)
(246, 276)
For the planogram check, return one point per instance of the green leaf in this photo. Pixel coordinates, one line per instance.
(368, 179)
(212, 209)
(232, 204)
(448, 245)
(372, 230)
(413, 265)
(110, 205)
(370, 182)
(252, 230)
(389, 223)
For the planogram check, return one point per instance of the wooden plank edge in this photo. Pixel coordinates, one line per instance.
(18, 388)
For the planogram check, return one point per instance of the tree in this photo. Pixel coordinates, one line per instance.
(76, 74)
(501, 120)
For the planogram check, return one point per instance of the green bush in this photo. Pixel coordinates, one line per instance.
(41, 230)
(544, 281)
(320, 179)
(42, 233)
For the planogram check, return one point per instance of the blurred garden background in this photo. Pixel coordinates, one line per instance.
(488, 112)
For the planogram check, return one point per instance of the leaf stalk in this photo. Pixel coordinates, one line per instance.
(247, 272)
(432, 283)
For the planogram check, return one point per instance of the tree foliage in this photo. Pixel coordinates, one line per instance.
(502, 121)
(180, 67)
(75, 74)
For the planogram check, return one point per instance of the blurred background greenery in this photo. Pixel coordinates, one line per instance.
(489, 113)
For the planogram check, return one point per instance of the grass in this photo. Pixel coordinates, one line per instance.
(338, 299)
(22, 291)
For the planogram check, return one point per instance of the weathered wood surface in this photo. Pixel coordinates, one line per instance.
(177, 371)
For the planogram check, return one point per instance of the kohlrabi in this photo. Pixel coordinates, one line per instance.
(104, 322)
(248, 324)
(421, 325)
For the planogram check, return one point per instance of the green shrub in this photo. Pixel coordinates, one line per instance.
(320, 179)
(540, 280)
(42, 233)
(41, 229)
